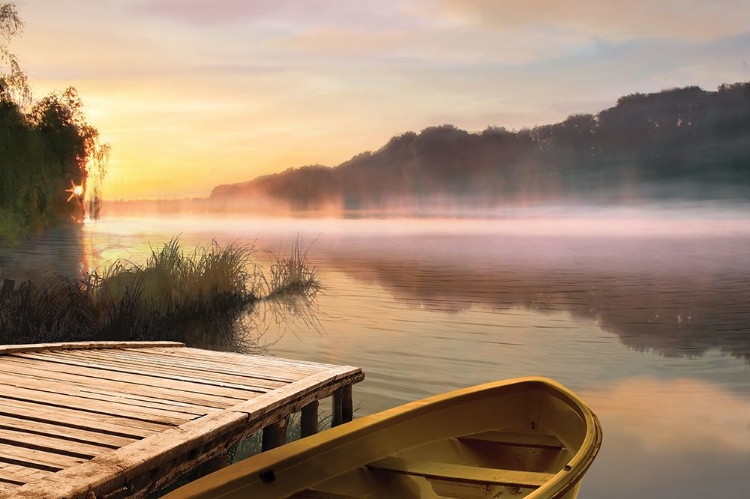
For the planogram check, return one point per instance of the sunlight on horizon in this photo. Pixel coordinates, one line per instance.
(210, 94)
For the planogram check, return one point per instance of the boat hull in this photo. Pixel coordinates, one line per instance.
(527, 437)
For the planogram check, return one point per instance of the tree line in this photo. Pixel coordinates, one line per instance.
(680, 143)
(47, 146)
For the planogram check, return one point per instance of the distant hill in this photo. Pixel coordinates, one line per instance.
(683, 143)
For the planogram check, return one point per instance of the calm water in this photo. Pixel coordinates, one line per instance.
(646, 318)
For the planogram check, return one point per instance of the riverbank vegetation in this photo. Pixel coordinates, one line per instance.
(204, 296)
(47, 147)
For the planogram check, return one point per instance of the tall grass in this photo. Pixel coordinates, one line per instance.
(292, 275)
(203, 296)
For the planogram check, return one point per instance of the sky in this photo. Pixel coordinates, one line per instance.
(195, 93)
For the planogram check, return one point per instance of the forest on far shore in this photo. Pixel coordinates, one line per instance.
(684, 143)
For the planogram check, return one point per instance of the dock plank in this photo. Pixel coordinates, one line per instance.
(248, 368)
(137, 384)
(15, 392)
(215, 369)
(115, 425)
(65, 432)
(37, 458)
(120, 418)
(51, 385)
(240, 359)
(51, 444)
(20, 474)
(194, 383)
(256, 382)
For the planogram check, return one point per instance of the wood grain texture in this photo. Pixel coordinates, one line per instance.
(123, 419)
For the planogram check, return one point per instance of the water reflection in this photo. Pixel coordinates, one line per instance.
(676, 293)
(667, 436)
(61, 251)
(677, 296)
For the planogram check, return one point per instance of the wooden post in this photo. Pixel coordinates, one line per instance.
(347, 407)
(343, 410)
(336, 407)
(274, 435)
(214, 464)
(8, 285)
(309, 419)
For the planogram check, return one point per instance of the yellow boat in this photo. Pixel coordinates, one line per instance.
(525, 437)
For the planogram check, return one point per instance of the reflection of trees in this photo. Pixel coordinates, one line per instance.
(57, 251)
(662, 295)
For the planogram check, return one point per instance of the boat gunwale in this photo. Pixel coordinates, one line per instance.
(297, 452)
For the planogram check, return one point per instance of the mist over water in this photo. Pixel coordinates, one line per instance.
(642, 310)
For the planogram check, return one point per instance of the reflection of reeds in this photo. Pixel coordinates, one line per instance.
(292, 290)
(202, 295)
(291, 275)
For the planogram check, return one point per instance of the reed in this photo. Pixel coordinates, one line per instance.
(292, 275)
(203, 295)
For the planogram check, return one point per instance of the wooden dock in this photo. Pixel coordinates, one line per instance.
(112, 420)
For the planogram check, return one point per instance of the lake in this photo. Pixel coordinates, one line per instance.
(645, 315)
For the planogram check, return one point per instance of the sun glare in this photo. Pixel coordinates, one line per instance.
(75, 191)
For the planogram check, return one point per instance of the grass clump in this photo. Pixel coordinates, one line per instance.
(200, 297)
(291, 275)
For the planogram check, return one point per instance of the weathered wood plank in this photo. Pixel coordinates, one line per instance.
(156, 366)
(56, 430)
(51, 444)
(18, 473)
(178, 391)
(242, 359)
(462, 474)
(250, 369)
(58, 386)
(7, 488)
(10, 392)
(213, 370)
(168, 447)
(321, 385)
(112, 363)
(239, 360)
(37, 458)
(86, 345)
(130, 416)
(114, 425)
(110, 471)
(192, 383)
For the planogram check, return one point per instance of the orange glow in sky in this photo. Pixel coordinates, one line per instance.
(194, 94)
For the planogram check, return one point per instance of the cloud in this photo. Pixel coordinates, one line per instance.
(439, 46)
(363, 14)
(612, 19)
(219, 11)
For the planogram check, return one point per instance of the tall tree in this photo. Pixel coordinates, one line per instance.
(14, 85)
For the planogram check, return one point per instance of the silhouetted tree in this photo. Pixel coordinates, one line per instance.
(43, 151)
(684, 142)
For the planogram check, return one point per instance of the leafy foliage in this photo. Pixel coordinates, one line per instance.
(45, 147)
